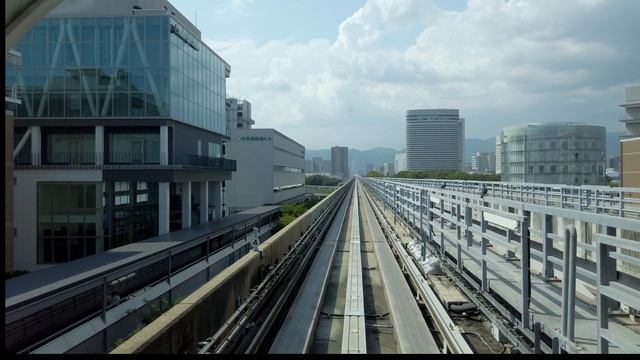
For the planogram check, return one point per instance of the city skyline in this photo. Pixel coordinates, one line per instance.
(370, 61)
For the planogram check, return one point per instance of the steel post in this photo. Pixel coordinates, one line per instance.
(422, 232)
(468, 220)
(547, 246)
(483, 245)
(525, 271)
(536, 341)
(602, 252)
(569, 281)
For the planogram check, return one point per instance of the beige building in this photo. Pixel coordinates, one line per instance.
(630, 143)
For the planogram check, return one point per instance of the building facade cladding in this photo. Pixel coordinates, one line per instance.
(483, 162)
(400, 162)
(100, 87)
(340, 161)
(554, 153)
(434, 140)
(270, 169)
(630, 145)
(388, 169)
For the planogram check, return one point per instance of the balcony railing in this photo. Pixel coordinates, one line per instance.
(87, 160)
(192, 160)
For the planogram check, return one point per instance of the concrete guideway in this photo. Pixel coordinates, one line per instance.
(412, 333)
(298, 329)
(353, 336)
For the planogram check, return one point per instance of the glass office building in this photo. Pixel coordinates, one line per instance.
(120, 132)
(553, 153)
(119, 67)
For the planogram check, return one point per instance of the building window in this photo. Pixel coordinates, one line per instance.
(553, 169)
(143, 148)
(70, 149)
(67, 221)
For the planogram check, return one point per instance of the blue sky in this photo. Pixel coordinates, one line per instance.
(344, 72)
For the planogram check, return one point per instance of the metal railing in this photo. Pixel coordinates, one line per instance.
(92, 160)
(459, 221)
(621, 202)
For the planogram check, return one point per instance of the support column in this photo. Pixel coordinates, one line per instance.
(569, 281)
(204, 202)
(99, 148)
(422, 232)
(163, 208)
(547, 246)
(603, 301)
(217, 200)
(164, 145)
(186, 204)
(525, 271)
(483, 244)
(36, 147)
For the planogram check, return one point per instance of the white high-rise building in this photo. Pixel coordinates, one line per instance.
(483, 162)
(435, 140)
(401, 162)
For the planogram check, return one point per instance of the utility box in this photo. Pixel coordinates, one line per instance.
(497, 334)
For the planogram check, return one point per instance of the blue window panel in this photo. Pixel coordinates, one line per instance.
(72, 80)
(41, 32)
(153, 28)
(153, 53)
(105, 29)
(72, 104)
(56, 104)
(88, 54)
(70, 58)
(134, 56)
(72, 24)
(121, 104)
(88, 28)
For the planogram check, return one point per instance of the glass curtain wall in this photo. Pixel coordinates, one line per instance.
(134, 148)
(119, 67)
(130, 212)
(68, 221)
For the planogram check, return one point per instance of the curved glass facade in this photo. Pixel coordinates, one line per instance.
(572, 154)
(119, 67)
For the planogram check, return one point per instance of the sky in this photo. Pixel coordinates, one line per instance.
(344, 72)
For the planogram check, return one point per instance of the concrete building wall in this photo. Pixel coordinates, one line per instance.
(266, 159)
(631, 162)
(252, 184)
(25, 210)
(290, 154)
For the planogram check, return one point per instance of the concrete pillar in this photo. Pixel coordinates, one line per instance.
(8, 192)
(186, 204)
(164, 145)
(163, 208)
(204, 202)
(36, 147)
(99, 218)
(99, 150)
(217, 199)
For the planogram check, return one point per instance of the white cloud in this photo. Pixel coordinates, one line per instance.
(500, 62)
